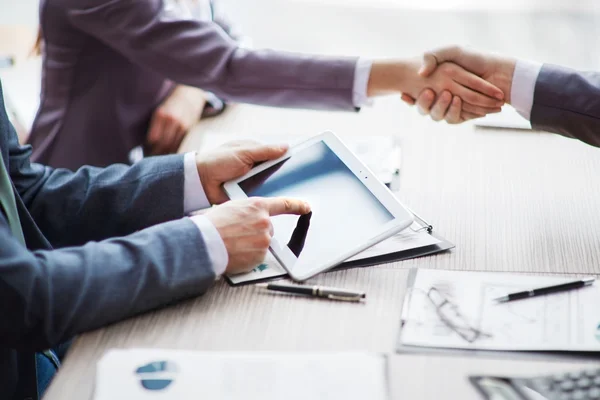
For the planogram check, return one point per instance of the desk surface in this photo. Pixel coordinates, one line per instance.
(482, 189)
(510, 201)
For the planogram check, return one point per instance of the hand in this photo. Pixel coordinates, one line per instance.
(495, 69)
(246, 229)
(173, 119)
(231, 161)
(403, 76)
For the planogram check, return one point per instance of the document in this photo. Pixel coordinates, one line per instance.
(139, 374)
(564, 321)
(508, 118)
(409, 239)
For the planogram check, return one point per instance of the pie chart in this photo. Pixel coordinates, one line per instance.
(157, 375)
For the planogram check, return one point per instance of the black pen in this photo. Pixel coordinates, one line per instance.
(546, 290)
(315, 291)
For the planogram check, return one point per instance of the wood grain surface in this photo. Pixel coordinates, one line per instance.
(509, 200)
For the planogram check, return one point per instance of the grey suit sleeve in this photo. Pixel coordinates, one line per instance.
(95, 203)
(201, 54)
(568, 102)
(47, 297)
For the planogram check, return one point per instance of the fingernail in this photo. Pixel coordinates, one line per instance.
(500, 96)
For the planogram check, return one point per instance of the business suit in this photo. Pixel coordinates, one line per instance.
(71, 277)
(567, 102)
(109, 63)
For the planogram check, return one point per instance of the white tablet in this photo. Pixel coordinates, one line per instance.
(350, 209)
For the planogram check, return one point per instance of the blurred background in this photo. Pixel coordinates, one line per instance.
(564, 32)
(543, 30)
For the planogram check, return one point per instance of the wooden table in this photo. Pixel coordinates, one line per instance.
(509, 200)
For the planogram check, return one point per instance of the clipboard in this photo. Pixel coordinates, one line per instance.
(498, 354)
(420, 226)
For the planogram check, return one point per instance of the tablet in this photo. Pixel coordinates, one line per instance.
(350, 209)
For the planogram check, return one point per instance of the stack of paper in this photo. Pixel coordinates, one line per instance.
(180, 375)
(563, 321)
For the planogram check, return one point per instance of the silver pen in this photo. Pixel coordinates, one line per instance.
(316, 291)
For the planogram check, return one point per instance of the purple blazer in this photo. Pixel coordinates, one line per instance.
(107, 64)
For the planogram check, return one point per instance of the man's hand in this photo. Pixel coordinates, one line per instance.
(231, 161)
(492, 68)
(403, 76)
(173, 119)
(246, 229)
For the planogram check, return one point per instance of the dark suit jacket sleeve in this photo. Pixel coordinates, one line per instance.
(201, 54)
(94, 203)
(568, 102)
(47, 297)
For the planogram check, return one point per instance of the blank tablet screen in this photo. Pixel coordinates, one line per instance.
(345, 214)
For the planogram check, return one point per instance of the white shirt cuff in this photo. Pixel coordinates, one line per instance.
(523, 87)
(361, 80)
(194, 197)
(215, 248)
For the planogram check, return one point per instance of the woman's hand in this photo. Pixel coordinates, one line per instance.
(173, 119)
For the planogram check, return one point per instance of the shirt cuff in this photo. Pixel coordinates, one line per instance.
(523, 86)
(215, 248)
(194, 197)
(361, 80)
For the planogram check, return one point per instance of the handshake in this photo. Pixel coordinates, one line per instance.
(453, 83)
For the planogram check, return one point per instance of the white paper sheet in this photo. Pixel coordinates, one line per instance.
(566, 321)
(140, 374)
(508, 118)
(405, 240)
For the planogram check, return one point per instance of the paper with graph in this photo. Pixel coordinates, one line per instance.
(566, 321)
(157, 374)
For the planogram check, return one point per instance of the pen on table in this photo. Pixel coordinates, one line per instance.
(316, 291)
(546, 290)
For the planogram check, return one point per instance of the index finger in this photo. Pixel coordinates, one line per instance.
(284, 205)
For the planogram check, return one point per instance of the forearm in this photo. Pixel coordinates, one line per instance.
(50, 296)
(94, 204)
(201, 54)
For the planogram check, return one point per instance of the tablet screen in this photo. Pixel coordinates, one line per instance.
(344, 212)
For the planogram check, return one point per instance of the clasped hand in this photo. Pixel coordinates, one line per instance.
(450, 105)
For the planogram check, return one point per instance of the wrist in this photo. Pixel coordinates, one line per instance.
(504, 77)
(390, 76)
(204, 179)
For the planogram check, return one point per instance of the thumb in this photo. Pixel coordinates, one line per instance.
(265, 152)
(408, 99)
(432, 59)
(429, 65)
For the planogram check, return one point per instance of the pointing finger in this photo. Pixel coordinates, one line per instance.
(284, 205)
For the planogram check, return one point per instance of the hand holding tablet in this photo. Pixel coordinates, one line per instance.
(350, 210)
